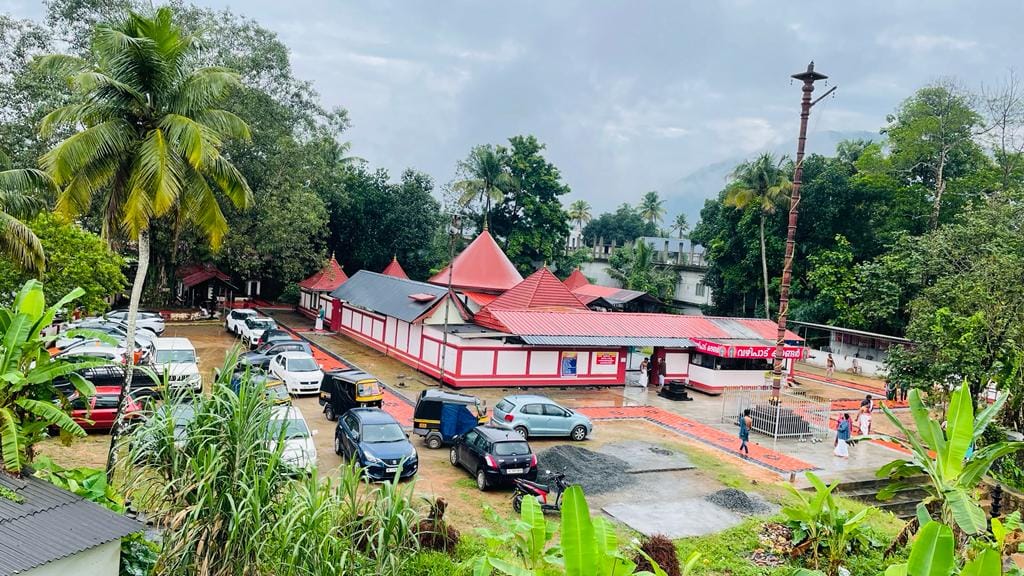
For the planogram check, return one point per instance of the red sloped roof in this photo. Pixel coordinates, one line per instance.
(576, 280)
(195, 274)
(541, 290)
(636, 324)
(481, 267)
(394, 269)
(480, 298)
(327, 279)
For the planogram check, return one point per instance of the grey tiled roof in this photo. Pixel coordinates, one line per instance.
(51, 524)
(388, 295)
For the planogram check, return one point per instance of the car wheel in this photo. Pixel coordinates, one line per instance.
(523, 432)
(579, 433)
(481, 480)
(434, 442)
(337, 445)
(453, 456)
(517, 502)
(329, 413)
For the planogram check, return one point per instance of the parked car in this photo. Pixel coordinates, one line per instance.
(144, 385)
(494, 456)
(97, 350)
(235, 319)
(373, 439)
(151, 321)
(99, 412)
(440, 416)
(176, 359)
(299, 370)
(531, 415)
(275, 335)
(177, 414)
(274, 388)
(261, 356)
(342, 390)
(287, 424)
(115, 330)
(253, 329)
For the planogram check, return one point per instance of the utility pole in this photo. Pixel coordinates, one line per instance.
(808, 77)
(454, 229)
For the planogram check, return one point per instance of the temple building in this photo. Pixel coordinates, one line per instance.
(494, 328)
(315, 291)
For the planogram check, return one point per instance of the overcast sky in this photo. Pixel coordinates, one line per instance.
(628, 96)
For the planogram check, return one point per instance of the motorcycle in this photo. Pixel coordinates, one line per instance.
(549, 496)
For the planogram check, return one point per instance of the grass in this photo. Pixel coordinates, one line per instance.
(727, 552)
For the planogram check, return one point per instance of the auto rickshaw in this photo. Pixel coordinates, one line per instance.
(442, 416)
(341, 390)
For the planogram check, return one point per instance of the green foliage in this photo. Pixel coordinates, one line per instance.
(651, 208)
(579, 213)
(290, 294)
(820, 524)
(75, 258)
(635, 268)
(621, 227)
(952, 478)
(485, 177)
(26, 375)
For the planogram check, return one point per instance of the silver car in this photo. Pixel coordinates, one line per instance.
(532, 415)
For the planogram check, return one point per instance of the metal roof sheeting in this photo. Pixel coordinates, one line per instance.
(389, 295)
(52, 524)
(593, 341)
(482, 267)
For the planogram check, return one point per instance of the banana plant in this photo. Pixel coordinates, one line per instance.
(27, 409)
(941, 457)
(818, 521)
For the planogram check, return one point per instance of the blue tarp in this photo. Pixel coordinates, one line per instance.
(456, 420)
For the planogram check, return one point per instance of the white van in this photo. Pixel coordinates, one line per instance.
(176, 359)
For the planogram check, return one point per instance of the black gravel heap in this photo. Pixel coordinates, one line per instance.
(738, 501)
(595, 473)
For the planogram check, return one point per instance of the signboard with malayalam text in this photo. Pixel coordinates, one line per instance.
(751, 352)
(606, 358)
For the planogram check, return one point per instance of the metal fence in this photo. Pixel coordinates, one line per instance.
(801, 416)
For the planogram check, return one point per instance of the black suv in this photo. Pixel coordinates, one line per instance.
(494, 456)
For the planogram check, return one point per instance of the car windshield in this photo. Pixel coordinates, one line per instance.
(368, 388)
(382, 433)
(175, 356)
(511, 448)
(302, 365)
(260, 323)
(293, 428)
(504, 406)
(277, 393)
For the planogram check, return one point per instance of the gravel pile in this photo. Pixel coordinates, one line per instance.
(596, 473)
(738, 501)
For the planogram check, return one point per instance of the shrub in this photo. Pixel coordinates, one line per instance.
(662, 551)
(290, 294)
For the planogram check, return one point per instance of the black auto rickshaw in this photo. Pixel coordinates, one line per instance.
(341, 390)
(441, 416)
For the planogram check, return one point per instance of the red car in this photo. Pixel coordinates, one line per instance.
(98, 412)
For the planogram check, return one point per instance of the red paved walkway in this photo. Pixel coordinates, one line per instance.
(713, 437)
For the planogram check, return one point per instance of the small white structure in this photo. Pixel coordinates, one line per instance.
(48, 531)
(852, 350)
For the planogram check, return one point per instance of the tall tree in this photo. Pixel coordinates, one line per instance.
(579, 212)
(652, 207)
(484, 177)
(680, 225)
(147, 138)
(762, 184)
(17, 240)
(636, 269)
(622, 226)
(932, 140)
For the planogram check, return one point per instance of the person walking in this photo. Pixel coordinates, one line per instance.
(904, 388)
(864, 420)
(842, 449)
(661, 372)
(643, 371)
(320, 315)
(830, 367)
(890, 390)
(746, 422)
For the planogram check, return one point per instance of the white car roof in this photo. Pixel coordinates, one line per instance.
(173, 344)
(295, 354)
(286, 413)
(245, 311)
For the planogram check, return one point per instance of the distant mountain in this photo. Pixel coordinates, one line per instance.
(688, 193)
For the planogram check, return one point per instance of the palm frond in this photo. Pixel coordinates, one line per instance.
(110, 138)
(20, 244)
(204, 88)
(158, 170)
(60, 65)
(226, 124)
(76, 197)
(199, 207)
(15, 189)
(195, 141)
(230, 181)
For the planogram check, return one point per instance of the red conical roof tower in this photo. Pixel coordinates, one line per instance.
(394, 269)
(327, 279)
(576, 279)
(541, 290)
(481, 267)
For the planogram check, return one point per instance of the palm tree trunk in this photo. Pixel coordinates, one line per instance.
(133, 310)
(764, 272)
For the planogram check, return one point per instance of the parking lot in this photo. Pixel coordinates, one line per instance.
(436, 476)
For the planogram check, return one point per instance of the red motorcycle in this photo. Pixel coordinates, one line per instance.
(549, 496)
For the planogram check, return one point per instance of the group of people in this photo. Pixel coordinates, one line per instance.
(652, 372)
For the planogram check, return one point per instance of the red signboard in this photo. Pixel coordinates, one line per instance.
(746, 351)
(606, 358)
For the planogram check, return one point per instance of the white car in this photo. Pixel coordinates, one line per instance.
(253, 329)
(96, 349)
(176, 359)
(113, 329)
(299, 371)
(299, 452)
(151, 321)
(234, 321)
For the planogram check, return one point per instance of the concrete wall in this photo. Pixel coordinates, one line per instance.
(102, 560)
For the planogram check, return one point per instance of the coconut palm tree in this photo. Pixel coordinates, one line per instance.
(761, 183)
(680, 225)
(147, 138)
(17, 241)
(652, 207)
(579, 212)
(486, 178)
